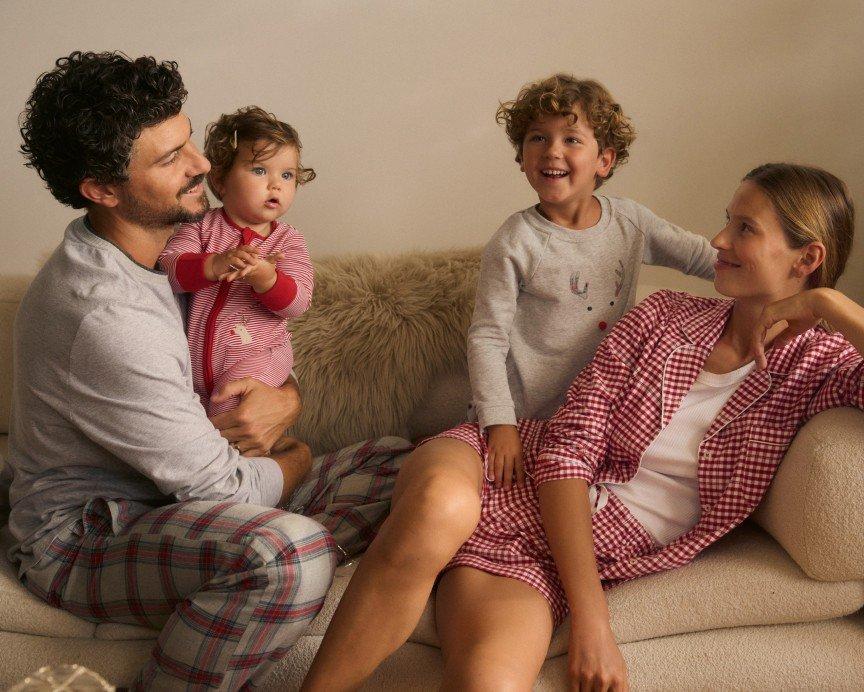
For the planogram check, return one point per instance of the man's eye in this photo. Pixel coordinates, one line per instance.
(171, 159)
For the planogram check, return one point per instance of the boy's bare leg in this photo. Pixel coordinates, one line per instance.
(436, 506)
(494, 631)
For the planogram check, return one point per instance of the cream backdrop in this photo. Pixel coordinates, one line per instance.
(395, 102)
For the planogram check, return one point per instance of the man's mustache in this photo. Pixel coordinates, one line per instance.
(197, 179)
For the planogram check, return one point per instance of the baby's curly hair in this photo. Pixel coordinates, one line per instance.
(84, 116)
(559, 95)
(250, 124)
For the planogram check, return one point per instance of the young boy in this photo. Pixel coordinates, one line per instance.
(558, 275)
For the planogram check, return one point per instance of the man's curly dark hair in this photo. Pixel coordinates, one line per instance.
(83, 117)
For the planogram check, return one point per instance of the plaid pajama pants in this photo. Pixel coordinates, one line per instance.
(231, 586)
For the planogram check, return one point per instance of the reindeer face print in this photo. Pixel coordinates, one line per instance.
(579, 288)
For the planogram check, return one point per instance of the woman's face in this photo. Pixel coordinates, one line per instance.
(754, 257)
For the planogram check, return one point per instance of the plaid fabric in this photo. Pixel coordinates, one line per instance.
(231, 586)
(620, 402)
(348, 491)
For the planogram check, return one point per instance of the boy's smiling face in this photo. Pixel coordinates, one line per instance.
(561, 160)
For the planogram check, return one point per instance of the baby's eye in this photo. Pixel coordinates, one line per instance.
(288, 175)
(258, 170)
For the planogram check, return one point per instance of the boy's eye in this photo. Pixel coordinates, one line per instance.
(572, 140)
(258, 170)
(536, 138)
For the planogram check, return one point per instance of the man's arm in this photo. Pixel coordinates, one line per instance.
(131, 396)
(262, 417)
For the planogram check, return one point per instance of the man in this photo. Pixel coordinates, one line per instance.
(126, 502)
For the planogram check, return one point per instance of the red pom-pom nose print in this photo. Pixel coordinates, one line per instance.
(602, 326)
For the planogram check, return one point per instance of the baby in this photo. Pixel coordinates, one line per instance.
(247, 272)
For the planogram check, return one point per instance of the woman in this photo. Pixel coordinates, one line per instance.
(668, 439)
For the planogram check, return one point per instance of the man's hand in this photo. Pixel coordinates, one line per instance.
(505, 455)
(295, 459)
(255, 426)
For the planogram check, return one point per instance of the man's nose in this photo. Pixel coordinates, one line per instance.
(198, 161)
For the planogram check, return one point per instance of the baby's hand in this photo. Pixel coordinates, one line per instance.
(505, 455)
(231, 264)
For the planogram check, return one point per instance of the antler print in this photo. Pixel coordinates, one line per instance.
(574, 286)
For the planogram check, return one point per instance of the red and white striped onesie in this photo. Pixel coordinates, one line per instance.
(233, 331)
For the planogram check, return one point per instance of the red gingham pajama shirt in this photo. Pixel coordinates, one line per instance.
(233, 331)
(614, 410)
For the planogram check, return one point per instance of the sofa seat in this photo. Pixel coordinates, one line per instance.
(708, 594)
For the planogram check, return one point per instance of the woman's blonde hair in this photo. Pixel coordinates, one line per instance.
(559, 95)
(253, 125)
(813, 206)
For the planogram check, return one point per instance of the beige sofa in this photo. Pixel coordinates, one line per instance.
(775, 605)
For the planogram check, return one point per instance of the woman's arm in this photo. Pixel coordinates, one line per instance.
(804, 311)
(595, 662)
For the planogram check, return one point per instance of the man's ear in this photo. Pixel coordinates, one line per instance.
(811, 258)
(103, 194)
(605, 161)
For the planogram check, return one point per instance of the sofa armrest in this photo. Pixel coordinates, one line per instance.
(815, 506)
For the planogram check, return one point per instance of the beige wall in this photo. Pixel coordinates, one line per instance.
(395, 102)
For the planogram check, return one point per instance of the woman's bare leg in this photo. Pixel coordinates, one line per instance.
(494, 631)
(436, 506)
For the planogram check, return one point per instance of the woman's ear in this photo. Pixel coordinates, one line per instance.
(811, 258)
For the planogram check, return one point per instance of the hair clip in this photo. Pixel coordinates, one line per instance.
(235, 139)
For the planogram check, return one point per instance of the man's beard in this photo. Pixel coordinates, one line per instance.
(150, 216)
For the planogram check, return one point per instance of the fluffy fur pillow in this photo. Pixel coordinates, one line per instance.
(378, 332)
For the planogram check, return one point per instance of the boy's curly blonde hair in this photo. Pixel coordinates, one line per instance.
(250, 124)
(559, 95)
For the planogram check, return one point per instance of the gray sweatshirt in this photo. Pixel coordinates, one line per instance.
(547, 296)
(102, 398)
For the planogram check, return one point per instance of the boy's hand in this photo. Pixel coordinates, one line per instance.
(505, 455)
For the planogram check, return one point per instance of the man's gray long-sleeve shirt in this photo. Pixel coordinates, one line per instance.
(102, 400)
(547, 295)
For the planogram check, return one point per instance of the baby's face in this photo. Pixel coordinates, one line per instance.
(258, 190)
(561, 159)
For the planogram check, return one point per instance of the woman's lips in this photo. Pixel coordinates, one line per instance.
(723, 264)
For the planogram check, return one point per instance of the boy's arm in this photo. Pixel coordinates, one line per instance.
(183, 259)
(668, 245)
(291, 293)
(489, 334)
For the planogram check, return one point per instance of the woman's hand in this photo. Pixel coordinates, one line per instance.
(259, 422)
(595, 662)
(505, 455)
(800, 312)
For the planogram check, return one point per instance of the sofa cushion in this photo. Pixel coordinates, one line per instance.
(815, 505)
(706, 594)
(22, 612)
(379, 332)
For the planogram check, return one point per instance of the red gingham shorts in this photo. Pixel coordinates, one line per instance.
(509, 540)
